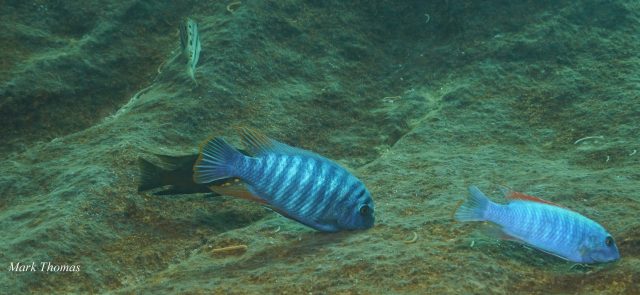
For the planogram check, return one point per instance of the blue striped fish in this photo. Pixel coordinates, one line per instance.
(543, 225)
(296, 183)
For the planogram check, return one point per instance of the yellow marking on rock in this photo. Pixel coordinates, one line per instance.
(412, 240)
(234, 248)
(233, 6)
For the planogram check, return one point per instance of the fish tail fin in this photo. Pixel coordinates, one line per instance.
(217, 160)
(192, 74)
(150, 175)
(474, 208)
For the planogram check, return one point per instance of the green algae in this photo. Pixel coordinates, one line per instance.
(483, 93)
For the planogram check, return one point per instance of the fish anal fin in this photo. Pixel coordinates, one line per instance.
(236, 188)
(521, 196)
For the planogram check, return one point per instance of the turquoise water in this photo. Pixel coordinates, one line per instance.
(418, 100)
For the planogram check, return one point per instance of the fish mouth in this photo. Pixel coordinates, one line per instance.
(369, 222)
(365, 223)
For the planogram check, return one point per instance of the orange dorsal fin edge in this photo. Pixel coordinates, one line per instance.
(525, 197)
(255, 141)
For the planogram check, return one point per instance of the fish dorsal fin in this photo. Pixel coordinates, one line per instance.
(257, 143)
(520, 196)
(236, 188)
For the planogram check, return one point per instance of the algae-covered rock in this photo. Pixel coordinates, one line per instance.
(418, 99)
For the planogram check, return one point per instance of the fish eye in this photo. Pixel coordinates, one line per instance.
(608, 241)
(364, 210)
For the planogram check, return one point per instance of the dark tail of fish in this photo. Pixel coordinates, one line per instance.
(474, 207)
(217, 160)
(150, 175)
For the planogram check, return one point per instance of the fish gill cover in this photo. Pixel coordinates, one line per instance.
(417, 99)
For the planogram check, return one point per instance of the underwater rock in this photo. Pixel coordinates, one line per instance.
(417, 99)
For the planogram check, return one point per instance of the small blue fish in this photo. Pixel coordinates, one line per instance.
(544, 226)
(296, 183)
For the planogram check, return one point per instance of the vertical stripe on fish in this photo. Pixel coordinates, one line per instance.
(296, 183)
(543, 225)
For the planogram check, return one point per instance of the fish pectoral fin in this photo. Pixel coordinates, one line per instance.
(554, 254)
(315, 224)
(583, 250)
(284, 214)
(496, 232)
(236, 188)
